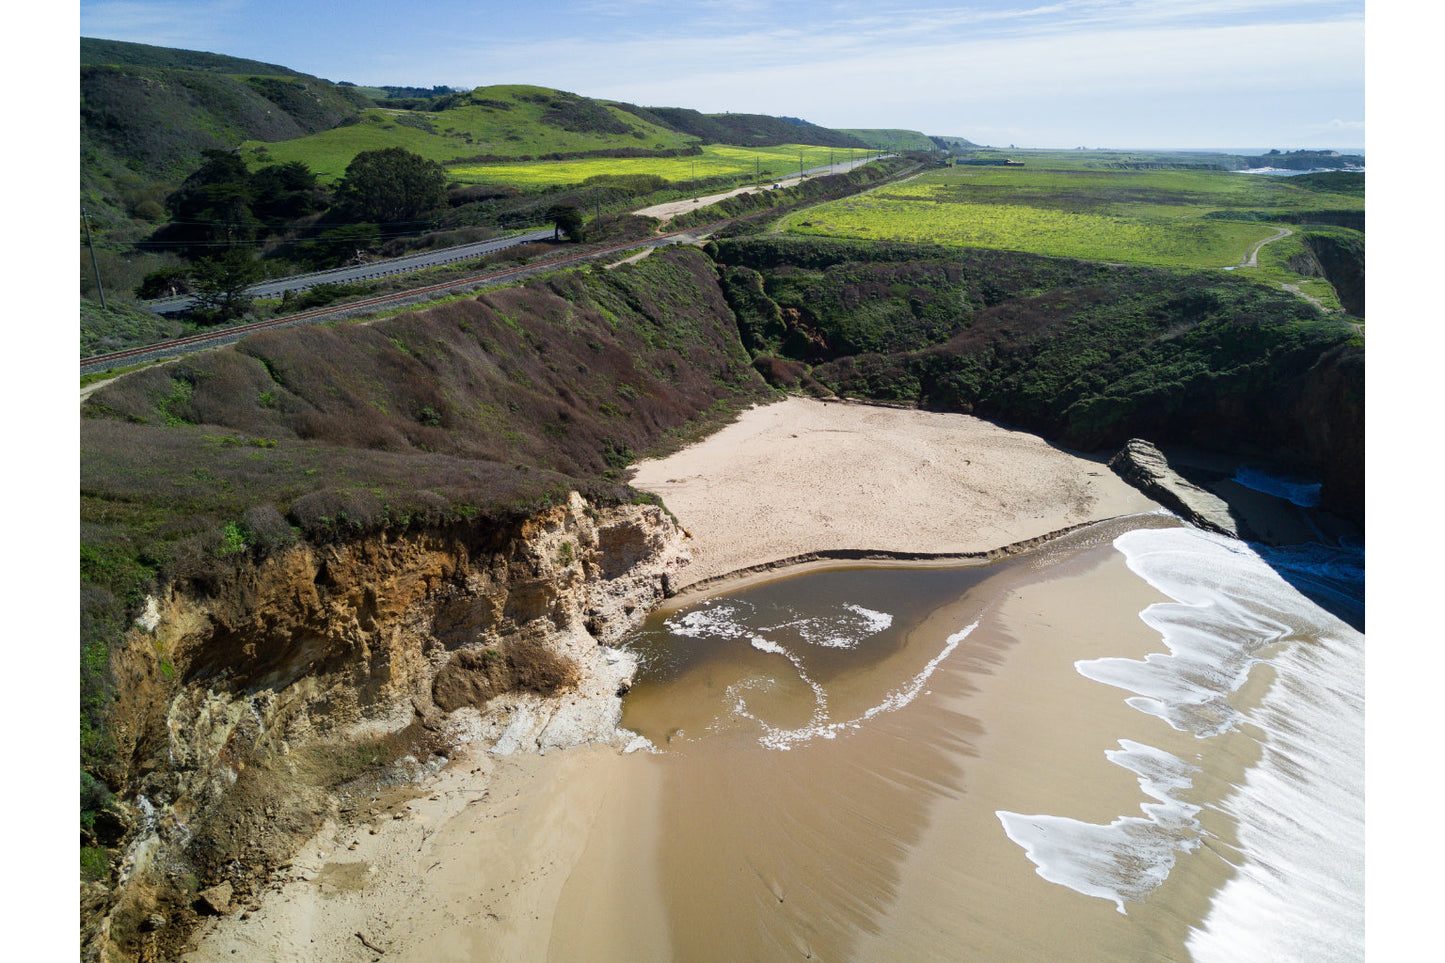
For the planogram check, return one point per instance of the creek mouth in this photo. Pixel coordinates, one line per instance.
(856, 763)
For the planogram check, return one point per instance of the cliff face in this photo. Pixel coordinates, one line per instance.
(1341, 259)
(247, 716)
(1084, 354)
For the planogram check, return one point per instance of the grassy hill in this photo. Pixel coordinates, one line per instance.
(151, 111)
(893, 139)
(122, 53)
(954, 143)
(147, 114)
(744, 130)
(490, 123)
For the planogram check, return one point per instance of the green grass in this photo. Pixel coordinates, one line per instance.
(892, 139)
(1083, 160)
(1168, 218)
(715, 161)
(504, 121)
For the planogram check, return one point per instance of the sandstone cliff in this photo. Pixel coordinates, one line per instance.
(312, 681)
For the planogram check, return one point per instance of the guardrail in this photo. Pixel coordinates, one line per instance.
(227, 335)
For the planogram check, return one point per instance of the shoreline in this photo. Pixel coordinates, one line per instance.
(874, 558)
(485, 857)
(802, 479)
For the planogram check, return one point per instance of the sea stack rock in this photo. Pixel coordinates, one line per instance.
(1142, 465)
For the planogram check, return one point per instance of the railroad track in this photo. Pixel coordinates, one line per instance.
(209, 339)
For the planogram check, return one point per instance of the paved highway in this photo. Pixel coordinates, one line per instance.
(275, 287)
(211, 339)
(365, 272)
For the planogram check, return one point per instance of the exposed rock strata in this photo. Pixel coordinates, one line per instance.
(1142, 465)
(241, 712)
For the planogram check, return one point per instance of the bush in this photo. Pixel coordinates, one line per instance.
(164, 283)
(330, 516)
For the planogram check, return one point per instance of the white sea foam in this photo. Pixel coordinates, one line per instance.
(845, 630)
(1298, 813)
(709, 620)
(1301, 818)
(1127, 859)
(778, 738)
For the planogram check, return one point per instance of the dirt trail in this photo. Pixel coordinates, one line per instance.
(1252, 258)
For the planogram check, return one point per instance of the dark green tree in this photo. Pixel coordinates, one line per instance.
(221, 284)
(211, 210)
(163, 283)
(566, 219)
(284, 192)
(392, 185)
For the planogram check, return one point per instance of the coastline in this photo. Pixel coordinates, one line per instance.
(483, 858)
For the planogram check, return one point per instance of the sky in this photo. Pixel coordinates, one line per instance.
(1225, 74)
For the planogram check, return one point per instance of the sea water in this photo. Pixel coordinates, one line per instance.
(1298, 813)
(834, 743)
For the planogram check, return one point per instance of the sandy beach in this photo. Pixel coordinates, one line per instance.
(495, 859)
(803, 476)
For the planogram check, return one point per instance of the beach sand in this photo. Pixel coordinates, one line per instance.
(532, 858)
(804, 476)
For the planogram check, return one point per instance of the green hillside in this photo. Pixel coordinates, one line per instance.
(744, 130)
(121, 53)
(893, 139)
(953, 144)
(147, 114)
(505, 122)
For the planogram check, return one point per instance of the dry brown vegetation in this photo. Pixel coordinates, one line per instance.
(484, 404)
(467, 416)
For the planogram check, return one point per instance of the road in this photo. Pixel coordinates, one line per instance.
(211, 339)
(184, 345)
(366, 272)
(276, 287)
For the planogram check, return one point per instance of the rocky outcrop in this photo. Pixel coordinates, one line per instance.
(244, 714)
(1142, 465)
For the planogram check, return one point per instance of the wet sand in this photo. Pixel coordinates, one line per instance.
(587, 854)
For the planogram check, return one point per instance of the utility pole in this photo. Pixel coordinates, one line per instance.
(93, 266)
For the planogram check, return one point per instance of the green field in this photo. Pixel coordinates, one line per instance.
(1171, 218)
(715, 161)
(502, 121)
(1085, 160)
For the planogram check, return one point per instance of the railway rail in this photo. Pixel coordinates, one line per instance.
(208, 339)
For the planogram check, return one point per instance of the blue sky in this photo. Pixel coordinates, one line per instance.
(1096, 73)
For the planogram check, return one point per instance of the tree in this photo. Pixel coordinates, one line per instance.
(221, 284)
(164, 283)
(566, 219)
(284, 192)
(211, 209)
(392, 185)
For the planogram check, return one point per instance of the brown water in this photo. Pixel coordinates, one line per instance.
(859, 763)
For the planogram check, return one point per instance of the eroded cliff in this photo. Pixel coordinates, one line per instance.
(307, 684)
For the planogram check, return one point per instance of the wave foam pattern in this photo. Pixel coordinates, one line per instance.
(1299, 813)
(845, 629)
